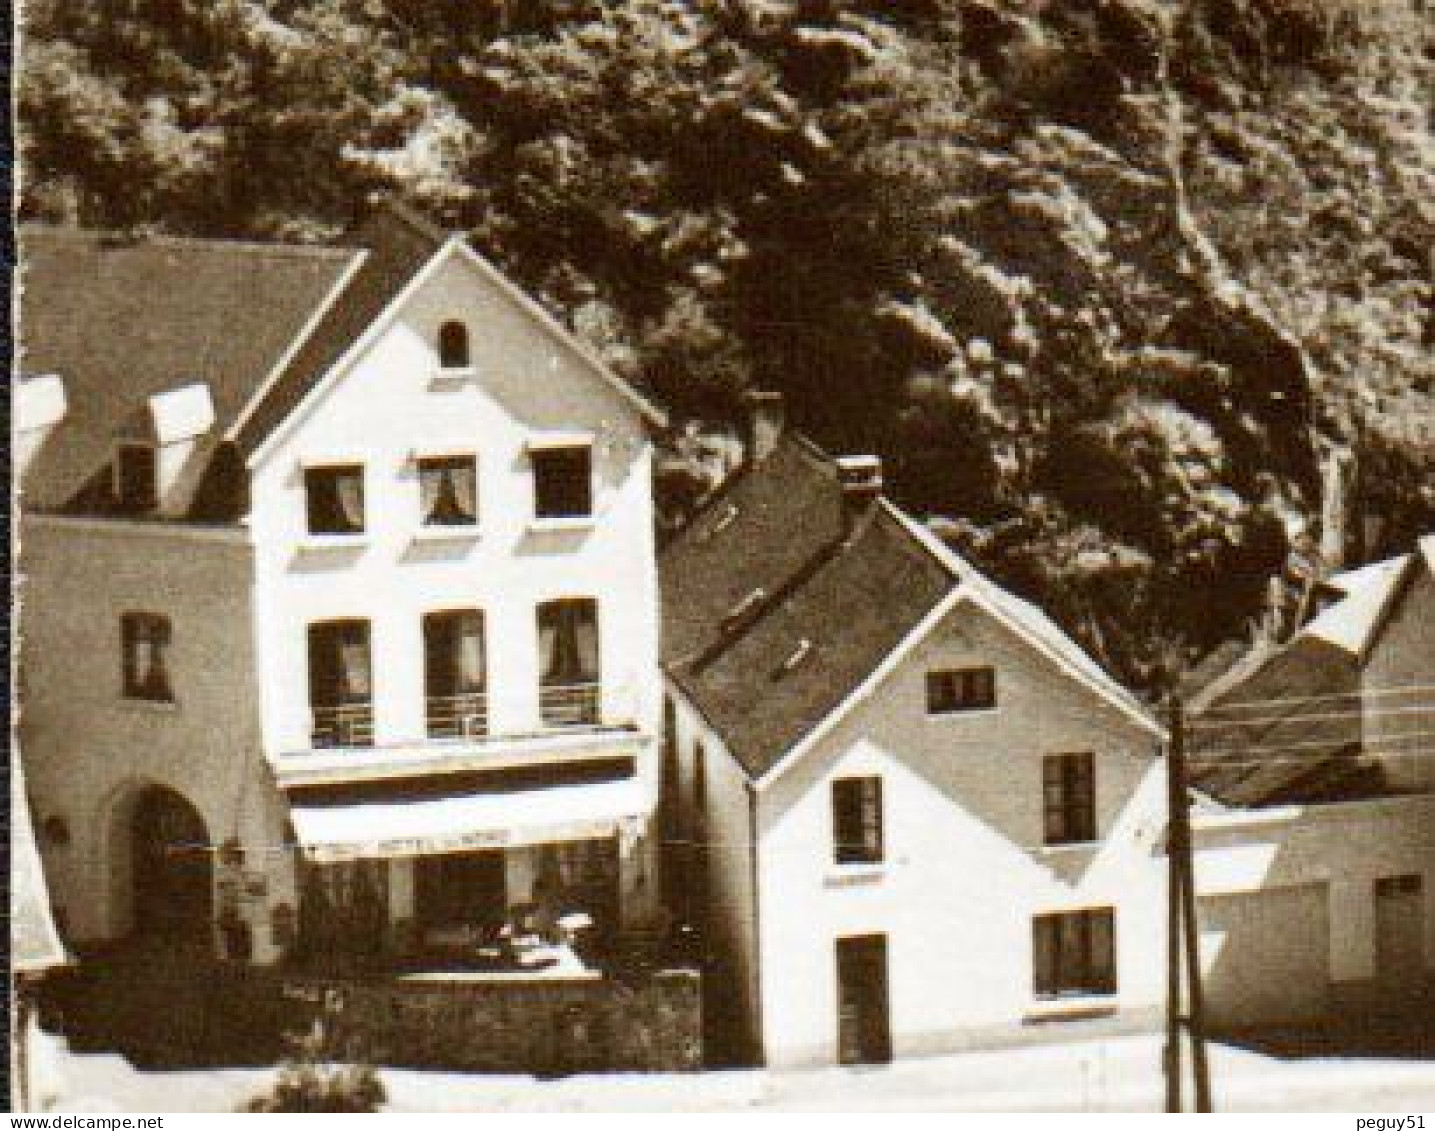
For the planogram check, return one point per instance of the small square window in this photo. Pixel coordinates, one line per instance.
(144, 648)
(563, 482)
(962, 689)
(335, 499)
(1074, 953)
(448, 488)
(136, 475)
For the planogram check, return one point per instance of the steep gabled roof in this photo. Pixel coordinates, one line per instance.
(776, 615)
(120, 320)
(397, 245)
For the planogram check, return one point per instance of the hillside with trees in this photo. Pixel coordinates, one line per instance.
(1106, 283)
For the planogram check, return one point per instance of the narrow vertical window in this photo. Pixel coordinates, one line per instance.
(857, 820)
(568, 662)
(1068, 787)
(455, 674)
(144, 645)
(341, 683)
(453, 346)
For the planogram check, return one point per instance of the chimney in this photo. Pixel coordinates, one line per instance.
(766, 420)
(861, 479)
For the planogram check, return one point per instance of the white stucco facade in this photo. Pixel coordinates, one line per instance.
(965, 869)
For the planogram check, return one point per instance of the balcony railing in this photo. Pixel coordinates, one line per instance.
(569, 705)
(346, 724)
(458, 716)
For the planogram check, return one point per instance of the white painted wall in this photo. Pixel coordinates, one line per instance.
(965, 870)
(1346, 847)
(88, 749)
(383, 409)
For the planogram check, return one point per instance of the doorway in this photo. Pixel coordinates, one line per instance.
(864, 1034)
(460, 889)
(171, 868)
(1399, 931)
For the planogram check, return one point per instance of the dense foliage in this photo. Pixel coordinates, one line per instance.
(1104, 281)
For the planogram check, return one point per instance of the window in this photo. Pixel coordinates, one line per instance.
(1387, 887)
(453, 346)
(568, 661)
(335, 499)
(857, 820)
(1074, 953)
(136, 474)
(563, 482)
(448, 490)
(965, 689)
(341, 683)
(144, 644)
(1068, 793)
(454, 674)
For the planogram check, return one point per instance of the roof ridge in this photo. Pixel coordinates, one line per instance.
(119, 238)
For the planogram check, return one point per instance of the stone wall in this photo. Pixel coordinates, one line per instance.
(547, 1026)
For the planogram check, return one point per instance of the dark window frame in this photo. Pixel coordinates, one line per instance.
(1074, 954)
(325, 510)
(1068, 798)
(154, 630)
(954, 691)
(561, 491)
(858, 820)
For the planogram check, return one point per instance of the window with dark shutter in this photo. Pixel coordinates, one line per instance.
(1074, 953)
(1068, 788)
(857, 820)
(563, 482)
(961, 689)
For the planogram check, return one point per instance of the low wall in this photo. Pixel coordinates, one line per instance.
(539, 1025)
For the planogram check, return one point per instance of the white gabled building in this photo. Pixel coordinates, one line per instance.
(912, 813)
(339, 624)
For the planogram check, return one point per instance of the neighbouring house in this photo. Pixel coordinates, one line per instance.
(907, 811)
(340, 629)
(1315, 763)
(35, 949)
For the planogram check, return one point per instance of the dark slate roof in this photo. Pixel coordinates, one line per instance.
(121, 320)
(34, 943)
(397, 244)
(853, 599)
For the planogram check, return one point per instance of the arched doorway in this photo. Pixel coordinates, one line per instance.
(171, 868)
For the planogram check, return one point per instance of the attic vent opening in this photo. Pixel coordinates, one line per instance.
(735, 616)
(796, 658)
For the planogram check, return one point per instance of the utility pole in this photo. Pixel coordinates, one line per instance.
(1182, 929)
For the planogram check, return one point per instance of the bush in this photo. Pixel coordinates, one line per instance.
(310, 1082)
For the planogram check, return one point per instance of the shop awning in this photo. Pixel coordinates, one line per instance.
(464, 823)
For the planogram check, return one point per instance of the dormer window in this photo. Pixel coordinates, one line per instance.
(453, 346)
(334, 498)
(136, 477)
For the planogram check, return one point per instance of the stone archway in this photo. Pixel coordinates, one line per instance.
(170, 867)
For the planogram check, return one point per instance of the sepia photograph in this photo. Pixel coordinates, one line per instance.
(733, 556)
